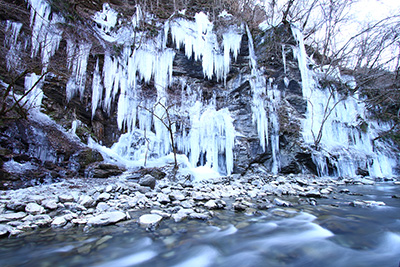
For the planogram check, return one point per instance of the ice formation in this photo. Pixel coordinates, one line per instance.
(333, 124)
(150, 122)
(33, 90)
(205, 136)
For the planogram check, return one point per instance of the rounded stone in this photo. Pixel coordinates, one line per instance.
(149, 220)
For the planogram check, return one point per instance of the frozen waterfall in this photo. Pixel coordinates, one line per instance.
(333, 124)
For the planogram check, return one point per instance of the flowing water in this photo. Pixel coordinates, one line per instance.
(332, 233)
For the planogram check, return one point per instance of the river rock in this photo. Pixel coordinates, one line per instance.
(103, 197)
(50, 204)
(34, 208)
(107, 218)
(16, 205)
(4, 230)
(199, 216)
(161, 213)
(177, 195)
(86, 201)
(281, 203)
(163, 198)
(12, 216)
(148, 180)
(65, 198)
(39, 220)
(72, 206)
(182, 214)
(149, 220)
(59, 222)
(102, 206)
(367, 203)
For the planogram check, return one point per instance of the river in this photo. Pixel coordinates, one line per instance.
(331, 233)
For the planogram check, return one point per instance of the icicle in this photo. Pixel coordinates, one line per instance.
(258, 86)
(284, 58)
(34, 93)
(199, 40)
(332, 122)
(97, 89)
(46, 36)
(212, 134)
(12, 44)
(76, 82)
(274, 98)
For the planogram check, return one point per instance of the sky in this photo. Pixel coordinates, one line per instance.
(375, 9)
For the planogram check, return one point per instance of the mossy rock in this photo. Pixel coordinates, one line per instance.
(86, 157)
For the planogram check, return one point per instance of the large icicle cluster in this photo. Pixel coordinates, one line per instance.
(210, 138)
(266, 98)
(338, 118)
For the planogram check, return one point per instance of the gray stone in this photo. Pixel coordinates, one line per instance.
(211, 204)
(149, 220)
(4, 230)
(12, 216)
(41, 220)
(102, 206)
(161, 213)
(34, 208)
(103, 197)
(182, 214)
(282, 203)
(148, 180)
(199, 216)
(50, 204)
(86, 201)
(107, 218)
(109, 188)
(16, 205)
(163, 198)
(177, 195)
(59, 222)
(74, 206)
(65, 198)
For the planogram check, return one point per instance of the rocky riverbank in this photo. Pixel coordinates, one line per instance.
(148, 199)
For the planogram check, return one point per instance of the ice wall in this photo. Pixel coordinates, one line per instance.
(266, 99)
(207, 136)
(333, 124)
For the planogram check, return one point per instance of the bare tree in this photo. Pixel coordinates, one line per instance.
(168, 122)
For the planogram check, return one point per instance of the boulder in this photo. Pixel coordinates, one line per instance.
(103, 170)
(148, 180)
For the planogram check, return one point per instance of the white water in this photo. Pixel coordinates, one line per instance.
(337, 119)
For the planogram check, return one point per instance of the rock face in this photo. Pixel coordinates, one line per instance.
(76, 100)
